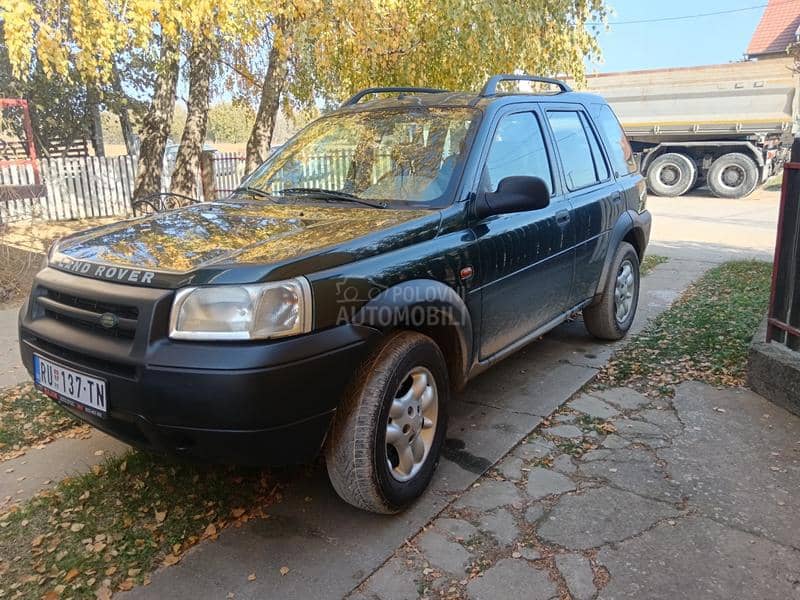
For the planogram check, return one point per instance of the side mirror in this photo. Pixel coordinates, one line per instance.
(514, 194)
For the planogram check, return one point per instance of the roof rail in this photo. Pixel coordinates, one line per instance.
(490, 89)
(382, 90)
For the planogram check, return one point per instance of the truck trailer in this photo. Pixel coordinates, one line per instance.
(727, 126)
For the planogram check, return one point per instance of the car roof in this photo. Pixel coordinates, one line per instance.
(403, 100)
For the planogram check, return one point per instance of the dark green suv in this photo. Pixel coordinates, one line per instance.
(388, 253)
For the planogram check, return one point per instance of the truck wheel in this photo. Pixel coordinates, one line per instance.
(612, 316)
(671, 174)
(386, 437)
(733, 175)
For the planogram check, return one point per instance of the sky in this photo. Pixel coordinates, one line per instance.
(683, 43)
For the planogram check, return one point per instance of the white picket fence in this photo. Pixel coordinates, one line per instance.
(89, 187)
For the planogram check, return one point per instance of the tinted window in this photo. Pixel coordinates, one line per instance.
(517, 149)
(575, 149)
(617, 144)
(601, 168)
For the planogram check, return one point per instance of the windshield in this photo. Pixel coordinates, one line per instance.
(407, 156)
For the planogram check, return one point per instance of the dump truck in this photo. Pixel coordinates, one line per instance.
(727, 126)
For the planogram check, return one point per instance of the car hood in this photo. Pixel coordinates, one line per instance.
(258, 237)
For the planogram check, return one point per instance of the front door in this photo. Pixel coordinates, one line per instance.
(526, 258)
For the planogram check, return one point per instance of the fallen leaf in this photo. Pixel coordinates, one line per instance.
(251, 577)
(37, 541)
(284, 570)
(133, 572)
(71, 574)
(237, 512)
(126, 585)
(51, 595)
(171, 559)
(103, 593)
(160, 516)
(210, 530)
(76, 527)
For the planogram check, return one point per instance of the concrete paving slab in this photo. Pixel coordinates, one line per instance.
(700, 558)
(577, 573)
(738, 458)
(600, 516)
(11, 370)
(512, 580)
(41, 468)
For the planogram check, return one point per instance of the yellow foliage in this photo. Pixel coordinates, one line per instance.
(336, 45)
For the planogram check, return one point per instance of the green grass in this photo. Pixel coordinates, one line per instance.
(108, 529)
(28, 417)
(704, 336)
(650, 262)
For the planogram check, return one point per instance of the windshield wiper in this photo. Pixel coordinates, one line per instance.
(254, 191)
(332, 196)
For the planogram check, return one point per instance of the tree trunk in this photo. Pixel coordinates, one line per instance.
(187, 163)
(261, 134)
(122, 112)
(95, 125)
(156, 124)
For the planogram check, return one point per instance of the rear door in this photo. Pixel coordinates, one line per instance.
(526, 260)
(594, 195)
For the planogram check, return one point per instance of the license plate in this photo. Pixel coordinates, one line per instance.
(77, 390)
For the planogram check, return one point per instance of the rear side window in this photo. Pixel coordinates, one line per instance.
(617, 144)
(580, 155)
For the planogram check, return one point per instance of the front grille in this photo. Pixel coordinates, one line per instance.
(87, 313)
(79, 358)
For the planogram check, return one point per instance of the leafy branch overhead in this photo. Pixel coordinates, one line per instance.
(291, 54)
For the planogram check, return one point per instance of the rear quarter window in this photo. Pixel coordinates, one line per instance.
(619, 149)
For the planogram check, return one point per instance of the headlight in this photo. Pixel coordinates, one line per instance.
(242, 312)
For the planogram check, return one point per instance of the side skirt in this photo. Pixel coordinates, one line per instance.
(480, 366)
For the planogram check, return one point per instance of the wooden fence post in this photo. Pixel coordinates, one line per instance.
(207, 178)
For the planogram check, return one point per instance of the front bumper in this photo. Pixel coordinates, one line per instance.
(251, 402)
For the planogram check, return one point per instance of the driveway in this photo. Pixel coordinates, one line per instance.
(700, 226)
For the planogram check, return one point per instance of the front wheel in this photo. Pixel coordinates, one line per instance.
(386, 436)
(612, 316)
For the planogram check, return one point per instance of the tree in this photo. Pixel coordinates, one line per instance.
(274, 85)
(230, 121)
(187, 163)
(329, 49)
(156, 124)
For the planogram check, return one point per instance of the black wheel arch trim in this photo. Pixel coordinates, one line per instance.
(630, 225)
(430, 307)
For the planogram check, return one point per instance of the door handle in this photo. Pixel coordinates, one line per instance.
(562, 217)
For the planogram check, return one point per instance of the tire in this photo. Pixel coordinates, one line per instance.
(365, 469)
(671, 174)
(605, 319)
(733, 175)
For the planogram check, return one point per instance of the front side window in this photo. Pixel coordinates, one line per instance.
(517, 149)
(583, 164)
(407, 156)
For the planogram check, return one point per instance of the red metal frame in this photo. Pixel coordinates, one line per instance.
(26, 122)
(773, 322)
